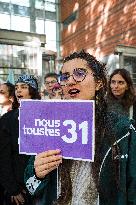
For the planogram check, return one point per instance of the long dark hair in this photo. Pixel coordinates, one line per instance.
(11, 93)
(128, 98)
(33, 93)
(11, 88)
(99, 71)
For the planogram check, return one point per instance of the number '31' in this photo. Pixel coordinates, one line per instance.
(73, 131)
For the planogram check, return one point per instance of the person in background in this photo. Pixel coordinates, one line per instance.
(7, 96)
(12, 164)
(57, 91)
(112, 175)
(50, 80)
(121, 93)
(7, 92)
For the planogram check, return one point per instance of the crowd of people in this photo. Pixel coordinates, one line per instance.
(48, 178)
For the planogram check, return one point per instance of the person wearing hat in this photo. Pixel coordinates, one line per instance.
(12, 164)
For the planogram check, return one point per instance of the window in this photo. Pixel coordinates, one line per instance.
(7, 1)
(70, 19)
(6, 23)
(21, 2)
(127, 59)
(50, 30)
(20, 59)
(20, 23)
(130, 64)
(39, 26)
(45, 5)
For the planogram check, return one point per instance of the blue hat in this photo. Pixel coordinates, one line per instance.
(28, 79)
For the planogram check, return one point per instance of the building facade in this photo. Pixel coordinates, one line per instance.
(105, 28)
(29, 36)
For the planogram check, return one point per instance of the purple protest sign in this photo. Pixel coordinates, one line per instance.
(65, 125)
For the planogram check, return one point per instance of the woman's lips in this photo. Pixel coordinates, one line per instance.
(115, 91)
(20, 96)
(73, 92)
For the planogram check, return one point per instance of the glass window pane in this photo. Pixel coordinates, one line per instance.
(50, 30)
(20, 10)
(39, 4)
(6, 55)
(51, 45)
(20, 23)
(6, 23)
(21, 2)
(48, 5)
(8, 1)
(130, 64)
(52, 1)
(18, 56)
(39, 26)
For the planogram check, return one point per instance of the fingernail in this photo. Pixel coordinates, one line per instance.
(58, 150)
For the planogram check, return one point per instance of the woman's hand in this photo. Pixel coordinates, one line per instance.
(47, 161)
(18, 199)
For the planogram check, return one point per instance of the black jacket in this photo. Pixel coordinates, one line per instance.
(12, 164)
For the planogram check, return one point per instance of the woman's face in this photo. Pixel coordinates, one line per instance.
(4, 95)
(49, 83)
(118, 86)
(84, 90)
(22, 91)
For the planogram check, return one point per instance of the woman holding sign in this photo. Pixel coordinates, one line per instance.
(111, 178)
(12, 164)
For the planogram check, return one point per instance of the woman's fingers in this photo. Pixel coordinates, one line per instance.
(48, 166)
(46, 169)
(43, 159)
(48, 153)
(46, 162)
(19, 199)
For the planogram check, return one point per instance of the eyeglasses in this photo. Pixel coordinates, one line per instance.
(78, 75)
(50, 82)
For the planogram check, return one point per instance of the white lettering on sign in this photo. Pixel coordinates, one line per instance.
(43, 127)
(52, 128)
(45, 123)
(73, 132)
(41, 131)
(84, 127)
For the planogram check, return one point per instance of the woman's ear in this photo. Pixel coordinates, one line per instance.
(99, 84)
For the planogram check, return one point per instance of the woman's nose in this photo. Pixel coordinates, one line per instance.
(18, 90)
(116, 84)
(71, 80)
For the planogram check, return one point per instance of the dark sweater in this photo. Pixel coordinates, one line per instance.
(12, 164)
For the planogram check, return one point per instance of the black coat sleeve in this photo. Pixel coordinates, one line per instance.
(7, 178)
